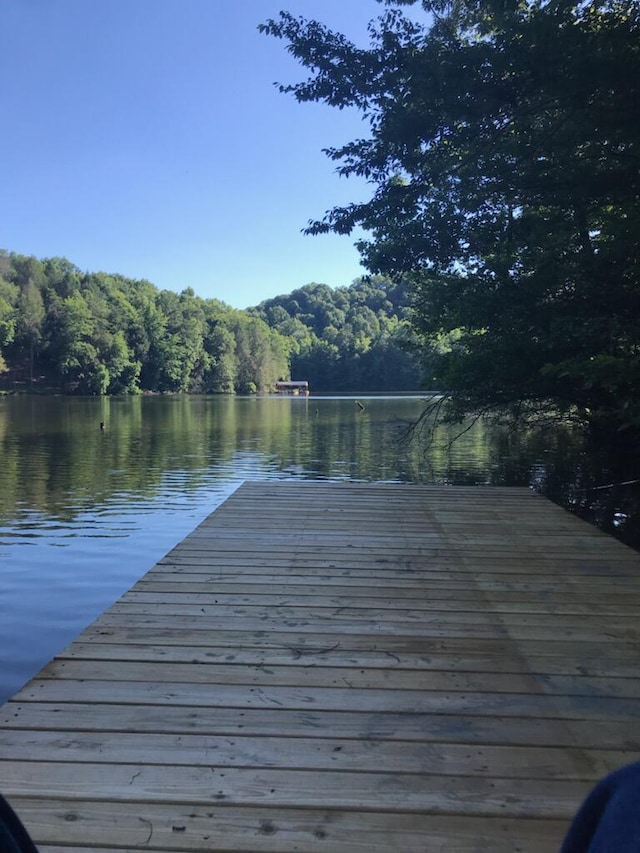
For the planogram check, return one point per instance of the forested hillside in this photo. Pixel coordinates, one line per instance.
(93, 333)
(348, 338)
(62, 329)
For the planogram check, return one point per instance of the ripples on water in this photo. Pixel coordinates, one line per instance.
(57, 576)
(84, 513)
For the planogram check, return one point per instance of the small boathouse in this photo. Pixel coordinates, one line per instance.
(300, 388)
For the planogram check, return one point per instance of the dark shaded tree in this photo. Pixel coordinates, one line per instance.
(504, 158)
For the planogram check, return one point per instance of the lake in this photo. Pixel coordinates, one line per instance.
(85, 511)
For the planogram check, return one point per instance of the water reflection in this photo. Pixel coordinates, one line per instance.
(84, 511)
(62, 476)
(600, 485)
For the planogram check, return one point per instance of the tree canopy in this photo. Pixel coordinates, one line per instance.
(503, 154)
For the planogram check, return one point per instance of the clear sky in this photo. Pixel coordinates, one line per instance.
(146, 137)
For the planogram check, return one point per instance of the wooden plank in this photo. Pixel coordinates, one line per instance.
(495, 729)
(174, 828)
(330, 789)
(315, 642)
(438, 627)
(246, 584)
(328, 676)
(464, 602)
(459, 569)
(457, 615)
(473, 660)
(189, 750)
(582, 707)
(358, 548)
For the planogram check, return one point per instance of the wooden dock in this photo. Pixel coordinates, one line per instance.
(341, 667)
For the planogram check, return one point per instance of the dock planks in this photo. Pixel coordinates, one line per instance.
(355, 667)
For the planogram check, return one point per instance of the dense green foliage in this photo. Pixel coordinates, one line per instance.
(93, 333)
(348, 338)
(504, 156)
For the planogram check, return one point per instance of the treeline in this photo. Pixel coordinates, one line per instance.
(93, 333)
(62, 329)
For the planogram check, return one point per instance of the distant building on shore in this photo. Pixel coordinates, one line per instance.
(293, 388)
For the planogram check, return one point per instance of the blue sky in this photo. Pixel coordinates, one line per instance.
(146, 137)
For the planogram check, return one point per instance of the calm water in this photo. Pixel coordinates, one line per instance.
(84, 512)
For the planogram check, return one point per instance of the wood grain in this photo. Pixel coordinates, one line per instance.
(357, 667)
